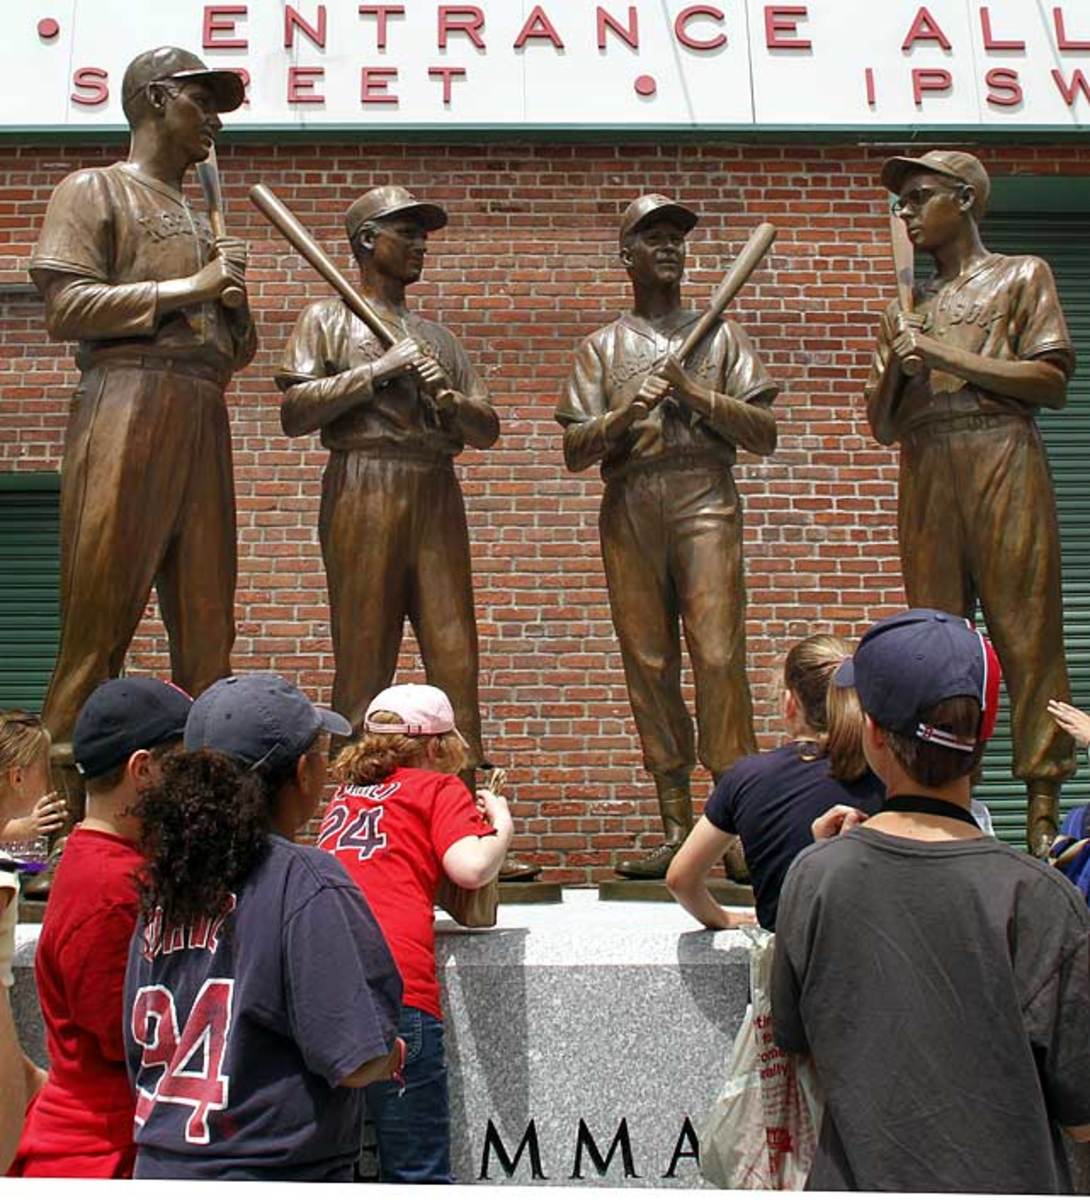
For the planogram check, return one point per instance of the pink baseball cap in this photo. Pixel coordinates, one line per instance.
(423, 709)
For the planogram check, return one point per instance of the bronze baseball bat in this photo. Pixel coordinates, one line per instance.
(209, 175)
(279, 215)
(904, 266)
(759, 244)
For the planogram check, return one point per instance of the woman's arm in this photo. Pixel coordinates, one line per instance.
(386, 1066)
(688, 875)
(471, 862)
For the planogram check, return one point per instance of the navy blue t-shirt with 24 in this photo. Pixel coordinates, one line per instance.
(239, 1030)
(770, 800)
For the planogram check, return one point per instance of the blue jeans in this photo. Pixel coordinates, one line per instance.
(412, 1130)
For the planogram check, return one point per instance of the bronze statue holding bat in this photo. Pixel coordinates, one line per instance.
(138, 279)
(395, 400)
(963, 363)
(660, 399)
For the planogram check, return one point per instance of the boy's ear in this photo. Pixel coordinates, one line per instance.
(139, 766)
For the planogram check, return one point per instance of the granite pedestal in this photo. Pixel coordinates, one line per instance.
(585, 1040)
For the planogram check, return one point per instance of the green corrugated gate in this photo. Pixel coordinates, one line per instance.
(1051, 218)
(29, 555)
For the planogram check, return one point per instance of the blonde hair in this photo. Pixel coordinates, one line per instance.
(377, 755)
(23, 739)
(832, 713)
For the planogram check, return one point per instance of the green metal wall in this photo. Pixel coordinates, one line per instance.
(29, 568)
(1051, 218)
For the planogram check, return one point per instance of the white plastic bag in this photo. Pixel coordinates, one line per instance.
(762, 1130)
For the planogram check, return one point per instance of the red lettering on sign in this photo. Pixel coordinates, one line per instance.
(1006, 90)
(783, 20)
(244, 75)
(925, 29)
(1063, 42)
(301, 84)
(538, 25)
(1070, 91)
(692, 13)
(381, 13)
(447, 75)
(374, 85)
(468, 20)
(94, 81)
(990, 41)
(218, 27)
(872, 97)
(293, 20)
(934, 80)
(629, 34)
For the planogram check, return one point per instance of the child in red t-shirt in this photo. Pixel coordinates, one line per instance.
(399, 822)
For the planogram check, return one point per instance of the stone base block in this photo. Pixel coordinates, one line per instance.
(726, 891)
(585, 1041)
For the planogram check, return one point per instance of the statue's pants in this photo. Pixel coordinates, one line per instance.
(147, 496)
(977, 520)
(395, 544)
(671, 533)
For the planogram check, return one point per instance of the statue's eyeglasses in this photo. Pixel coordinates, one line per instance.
(915, 200)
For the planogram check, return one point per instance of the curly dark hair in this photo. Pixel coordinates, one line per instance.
(205, 829)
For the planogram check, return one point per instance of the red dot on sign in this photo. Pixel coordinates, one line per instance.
(48, 28)
(646, 85)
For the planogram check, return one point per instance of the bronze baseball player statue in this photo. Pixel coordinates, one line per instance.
(133, 274)
(957, 381)
(392, 524)
(665, 434)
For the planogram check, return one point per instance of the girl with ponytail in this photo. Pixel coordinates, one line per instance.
(770, 800)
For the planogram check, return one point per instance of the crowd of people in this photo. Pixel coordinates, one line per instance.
(221, 1001)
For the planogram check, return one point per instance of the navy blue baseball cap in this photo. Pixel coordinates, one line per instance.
(908, 663)
(122, 716)
(260, 719)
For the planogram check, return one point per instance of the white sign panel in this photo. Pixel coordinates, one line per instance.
(570, 64)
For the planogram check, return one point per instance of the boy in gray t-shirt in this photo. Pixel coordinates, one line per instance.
(939, 979)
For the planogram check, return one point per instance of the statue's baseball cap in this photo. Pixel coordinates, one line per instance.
(421, 709)
(954, 164)
(906, 664)
(122, 716)
(169, 62)
(260, 719)
(654, 207)
(391, 201)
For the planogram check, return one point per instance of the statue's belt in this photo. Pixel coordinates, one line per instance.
(920, 434)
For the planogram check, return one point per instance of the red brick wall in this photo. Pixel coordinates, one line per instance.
(526, 268)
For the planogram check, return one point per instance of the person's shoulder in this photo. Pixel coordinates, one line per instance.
(302, 870)
(767, 762)
(330, 312)
(1042, 884)
(830, 854)
(420, 782)
(1012, 268)
(89, 181)
(601, 337)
